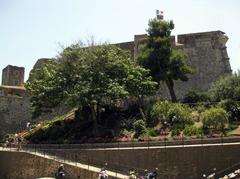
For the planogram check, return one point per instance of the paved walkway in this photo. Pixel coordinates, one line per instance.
(68, 162)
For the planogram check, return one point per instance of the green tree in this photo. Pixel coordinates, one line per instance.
(165, 63)
(93, 78)
(44, 89)
(227, 87)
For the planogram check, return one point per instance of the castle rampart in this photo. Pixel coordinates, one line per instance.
(206, 53)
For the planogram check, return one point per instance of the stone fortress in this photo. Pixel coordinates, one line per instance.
(14, 103)
(206, 52)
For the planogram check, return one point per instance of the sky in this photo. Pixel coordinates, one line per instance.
(33, 29)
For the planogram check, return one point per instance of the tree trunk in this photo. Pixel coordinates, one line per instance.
(171, 90)
(142, 114)
(139, 103)
(94, 118)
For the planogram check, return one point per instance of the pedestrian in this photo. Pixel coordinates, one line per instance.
(6, 143)
(28, 127)
(19, 142)
(60, 172)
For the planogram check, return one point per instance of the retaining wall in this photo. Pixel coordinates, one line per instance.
(173, 162)
(20, 165)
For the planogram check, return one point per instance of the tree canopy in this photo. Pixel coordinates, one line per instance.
(91, 77)
(166, 64)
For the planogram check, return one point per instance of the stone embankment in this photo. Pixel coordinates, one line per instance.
(32, 164)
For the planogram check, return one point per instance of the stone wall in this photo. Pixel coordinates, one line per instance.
(15, 165)
(129, 46)
(13, 76)
(207, 54)
(14, 114)
(172, 162)
(12, 91)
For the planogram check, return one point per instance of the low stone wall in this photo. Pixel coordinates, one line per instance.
(173, 162)
(20, 165)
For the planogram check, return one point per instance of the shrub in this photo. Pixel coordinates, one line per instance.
(152, 132)
(139, 127)
(196, 97)
(159, 111)
(232, 108)
(190, 130)
(176, 131)
(214, 118)
(125, 132)
(200, 108)
(180, 114)
(172, 113)
(227, 87)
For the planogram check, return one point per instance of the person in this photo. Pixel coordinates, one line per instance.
(11, 142)
(132, 175)
(28, 126)
(19, 142)
(103, 174)
(60, 172)
(145, 174)
(152, 175)
(6, 143)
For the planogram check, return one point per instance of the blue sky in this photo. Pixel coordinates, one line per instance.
(33, 29)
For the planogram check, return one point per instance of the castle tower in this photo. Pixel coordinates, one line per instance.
(13, 76)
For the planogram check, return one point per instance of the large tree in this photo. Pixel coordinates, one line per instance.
(93, 78)
(166, 64)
